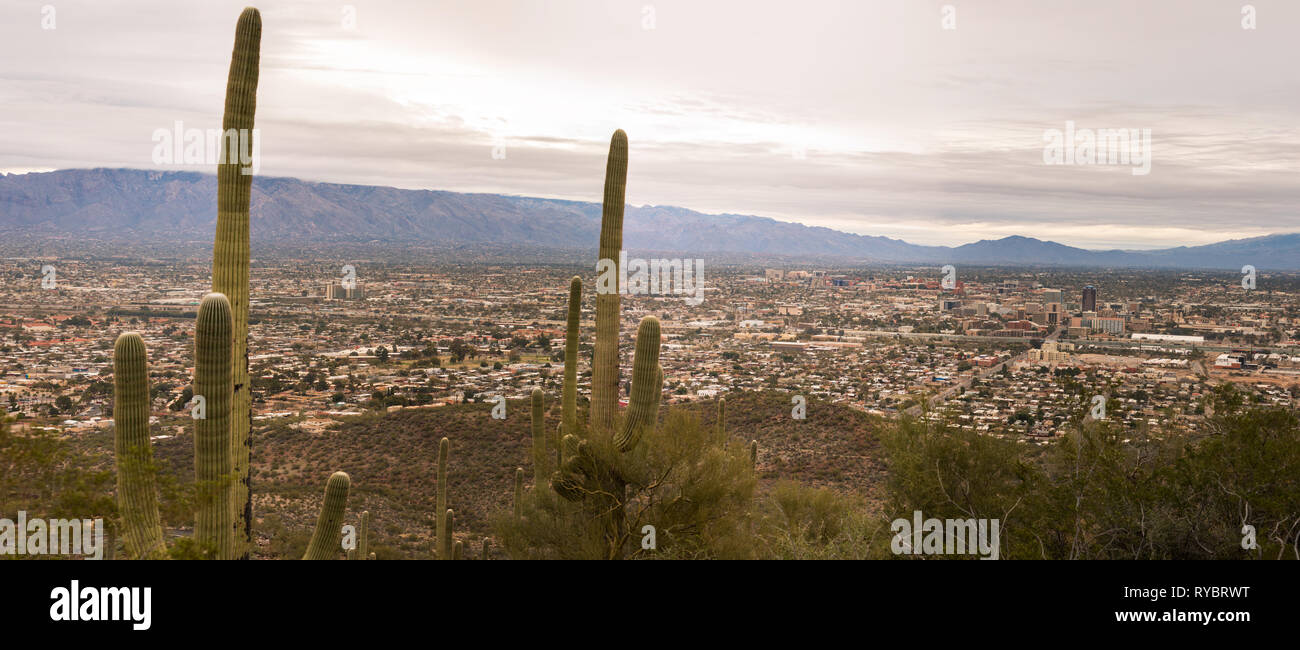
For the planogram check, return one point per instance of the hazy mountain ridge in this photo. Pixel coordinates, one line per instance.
(148, 205)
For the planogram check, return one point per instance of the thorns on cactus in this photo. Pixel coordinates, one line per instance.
(443, 515)
(647, 386)
(230, 255)
(214, 524)
(569, 397)
(329, 524)
(605, 365)
(137, 494)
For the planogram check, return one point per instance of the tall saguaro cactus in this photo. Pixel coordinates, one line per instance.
(647, 386)
(230, 257)
(604, 369)
(569, 398)
(137, 494)
(329, 524)
(443, 528)
(214, 524)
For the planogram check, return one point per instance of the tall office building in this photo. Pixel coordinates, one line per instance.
(1090, 298)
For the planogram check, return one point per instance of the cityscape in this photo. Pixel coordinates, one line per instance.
(1005, 352)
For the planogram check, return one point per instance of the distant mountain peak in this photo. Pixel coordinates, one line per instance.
(145, 205)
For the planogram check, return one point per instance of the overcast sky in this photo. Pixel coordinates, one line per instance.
(906, 129)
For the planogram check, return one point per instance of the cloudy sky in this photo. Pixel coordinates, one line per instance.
(865, 116)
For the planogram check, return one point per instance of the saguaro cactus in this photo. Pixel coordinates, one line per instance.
(443, 530)
(569, 399)
(753, 452)
(134, 456)
(604, 369)
(230, 256)
(329, 524)
(137, 494)
(519, 492)
(539, 438)
(647, 386)
(214, 524)
(722, 419)
(447, 549)
(363, 537)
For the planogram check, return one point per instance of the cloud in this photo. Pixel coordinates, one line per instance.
(905, 129)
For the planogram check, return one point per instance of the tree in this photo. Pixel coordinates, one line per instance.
(180, 402)
(681, 478)
(381, 354)
(459, 350)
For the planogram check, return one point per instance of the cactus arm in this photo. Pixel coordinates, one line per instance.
(647, 387)
(329, 523)
(137, 493)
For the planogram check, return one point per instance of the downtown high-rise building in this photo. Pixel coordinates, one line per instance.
(1090, 298)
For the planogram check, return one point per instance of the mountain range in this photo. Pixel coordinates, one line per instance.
(144, 205)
